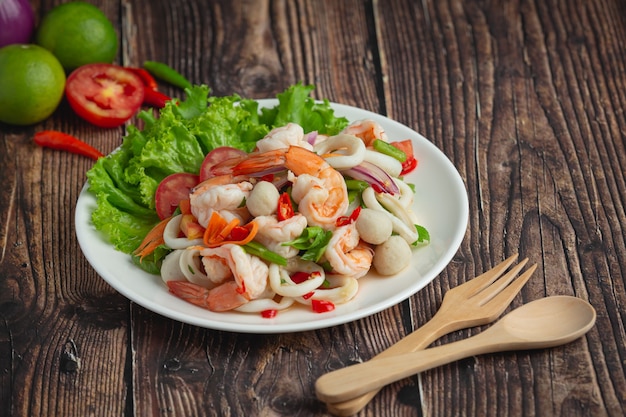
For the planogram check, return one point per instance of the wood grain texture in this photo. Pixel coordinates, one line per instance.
(525, 97)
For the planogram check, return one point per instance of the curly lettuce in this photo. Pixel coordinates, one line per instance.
(124, 182)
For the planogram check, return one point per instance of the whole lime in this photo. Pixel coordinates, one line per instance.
(78, 33)
(31, 84)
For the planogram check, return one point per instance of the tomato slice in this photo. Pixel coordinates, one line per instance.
(171, 191)
(219, 156)
(105, 95)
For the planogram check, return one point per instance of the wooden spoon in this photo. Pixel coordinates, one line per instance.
(547, 322)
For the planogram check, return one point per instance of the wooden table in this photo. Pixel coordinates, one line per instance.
(526, 98)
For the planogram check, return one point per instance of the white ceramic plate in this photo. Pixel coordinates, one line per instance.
(441, 206)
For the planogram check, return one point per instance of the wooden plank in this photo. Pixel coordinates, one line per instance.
(512, 96)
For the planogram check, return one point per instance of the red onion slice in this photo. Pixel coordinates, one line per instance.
(373, 175)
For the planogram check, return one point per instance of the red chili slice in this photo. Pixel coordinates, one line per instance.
(322, 306)
(269, 314)
(300, 277)
(239, 233)
(409, 165)
(285, 208)
(346, 220)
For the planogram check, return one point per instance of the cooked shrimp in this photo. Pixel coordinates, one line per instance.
(222, 298)
(347, 254)
(249, 272)
(318, 189)
(224, 194)
(249, 279)
(367, 130)
(282, 138)
(272, 233)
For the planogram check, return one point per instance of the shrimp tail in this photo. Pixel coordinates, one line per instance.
(222, 298)
(190, 292)
(261, 163)
(295, 158)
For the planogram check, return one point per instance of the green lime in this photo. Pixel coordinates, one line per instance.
(31, 84)
(77, 33)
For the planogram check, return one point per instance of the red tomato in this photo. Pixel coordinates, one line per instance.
(190, 226)
(103, 94)
(216, 156)
(405, 146)
(171, 191)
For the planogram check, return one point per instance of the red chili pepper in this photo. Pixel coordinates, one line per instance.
(346, 220)
(146, 77)
(409, 165)
(155, 98)
(285, 208)
(300, 277)
(239, 233)
(322, 306)
(309, 295)
(152, 95)
(269, 314)
(64, 142)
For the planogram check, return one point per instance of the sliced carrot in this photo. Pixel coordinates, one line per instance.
(218, 231)
(216, 224)
(153, 239)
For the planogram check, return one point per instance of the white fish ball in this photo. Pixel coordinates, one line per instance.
(392, 256)
(373, 226)
(263, 199)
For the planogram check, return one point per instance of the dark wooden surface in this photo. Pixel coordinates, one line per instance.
(527, 98)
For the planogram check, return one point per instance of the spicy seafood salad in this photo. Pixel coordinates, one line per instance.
(258, 210)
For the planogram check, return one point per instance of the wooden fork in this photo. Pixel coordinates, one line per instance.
(476, 302)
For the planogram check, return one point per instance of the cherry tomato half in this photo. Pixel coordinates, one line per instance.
(105, 95)
(171, 191)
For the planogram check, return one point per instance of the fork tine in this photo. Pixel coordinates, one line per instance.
(485, 279)
(505, 297)
(498, 285)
